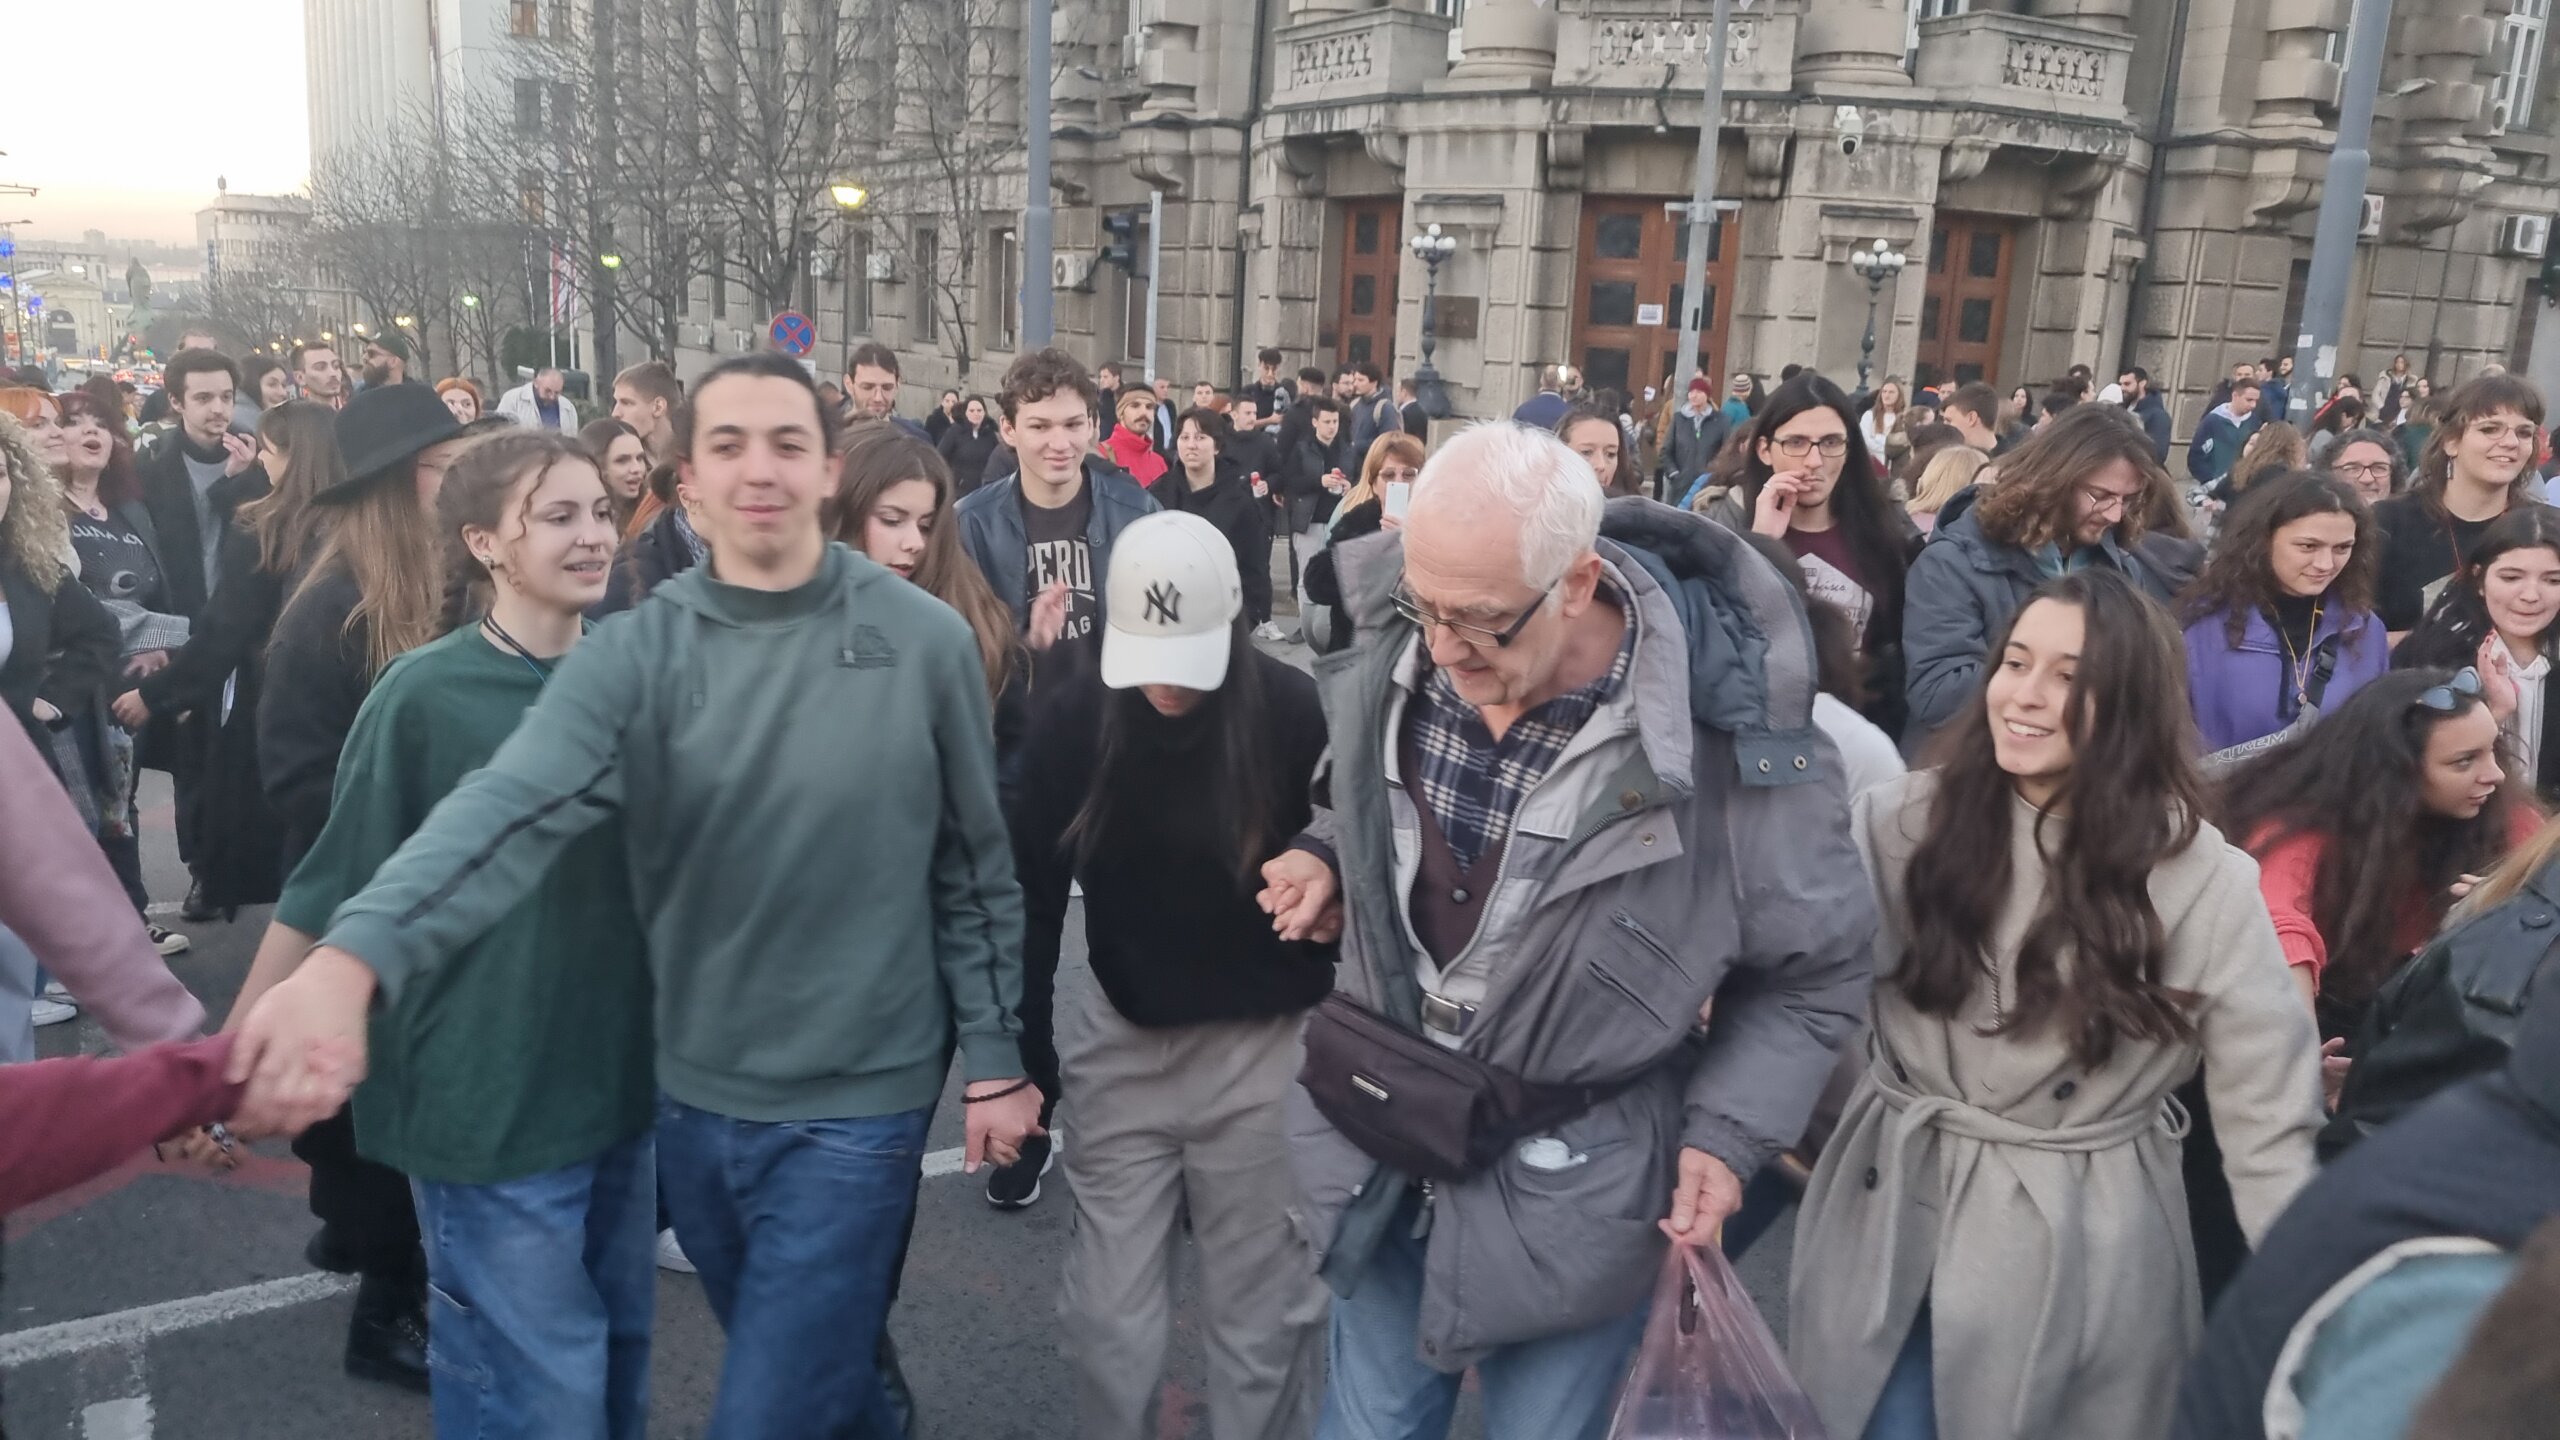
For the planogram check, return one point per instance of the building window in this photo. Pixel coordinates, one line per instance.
(564, 109)
(857, 280)
(1926, 10)
(719, 284)
(524, 18)
(2520, 60)
(529, 196)
(1004, 295)
(563, 19)
(927, 287)
(528, 109)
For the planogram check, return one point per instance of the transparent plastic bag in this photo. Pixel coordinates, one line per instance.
(1709, 1369)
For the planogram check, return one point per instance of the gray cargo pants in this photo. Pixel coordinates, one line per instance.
(1160, 1122)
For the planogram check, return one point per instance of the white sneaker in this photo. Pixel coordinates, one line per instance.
(53, 991)
(1268, 631)
(671, 1255)
(53, 1012)
(167, 941)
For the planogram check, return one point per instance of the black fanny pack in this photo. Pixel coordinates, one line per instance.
(1419, 1107)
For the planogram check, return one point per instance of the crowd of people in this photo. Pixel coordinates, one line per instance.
(1908, 806)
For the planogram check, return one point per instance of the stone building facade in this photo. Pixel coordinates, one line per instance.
(2096, 181)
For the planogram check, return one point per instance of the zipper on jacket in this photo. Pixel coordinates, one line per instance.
(1422, 1221)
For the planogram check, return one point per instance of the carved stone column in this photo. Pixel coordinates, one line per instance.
(1509, 40)
(1858, 42)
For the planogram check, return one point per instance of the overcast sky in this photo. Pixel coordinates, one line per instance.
(88, 113)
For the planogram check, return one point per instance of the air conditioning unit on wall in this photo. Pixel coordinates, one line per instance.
(822, 266)
(1071, 271)
(2524, 235)
(2371, 228)
(880, 266)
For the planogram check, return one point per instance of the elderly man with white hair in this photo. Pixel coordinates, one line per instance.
(1602, 930)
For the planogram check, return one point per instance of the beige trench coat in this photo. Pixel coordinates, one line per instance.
(2036, 1205)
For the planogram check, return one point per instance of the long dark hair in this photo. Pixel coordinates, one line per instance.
(1594, 412)
(2239, 576)
(2356, 781)
(878, 455)
(287, 522)
(1864, 511)
(2459, 620)
(2091, 958)
(118, 482)
(1247, 793)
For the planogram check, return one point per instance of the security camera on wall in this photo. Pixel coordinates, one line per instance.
(1849, 128)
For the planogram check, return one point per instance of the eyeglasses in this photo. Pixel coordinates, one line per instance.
(2490, 431)
(1799, 446)
(2448, 698)
(2102, 501)
(1391, 474)
(1476, 635)
(2372, 470)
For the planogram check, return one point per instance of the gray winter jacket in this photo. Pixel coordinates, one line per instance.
(1956, 601)
(1691, 844)
(991, 529)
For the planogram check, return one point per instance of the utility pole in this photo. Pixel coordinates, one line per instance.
(1155, 264)
(1702, 204)
(1039, 322)
(2333, 248)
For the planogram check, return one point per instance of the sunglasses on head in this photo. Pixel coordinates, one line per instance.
(2449, 697)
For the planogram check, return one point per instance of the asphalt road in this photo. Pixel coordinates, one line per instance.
(158, 1302)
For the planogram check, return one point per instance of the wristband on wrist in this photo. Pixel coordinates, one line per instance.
(1015, 1088)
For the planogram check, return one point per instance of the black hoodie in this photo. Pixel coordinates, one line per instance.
(1242, 516)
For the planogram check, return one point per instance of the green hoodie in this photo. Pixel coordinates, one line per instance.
(807, 785)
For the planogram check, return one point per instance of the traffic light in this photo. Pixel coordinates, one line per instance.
(2551, 274)
(1120, 239)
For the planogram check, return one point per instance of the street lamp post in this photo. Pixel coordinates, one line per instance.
(849, 198)
(1876, 264)
(1431, 248)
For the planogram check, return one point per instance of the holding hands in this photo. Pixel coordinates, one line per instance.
(301, 1046)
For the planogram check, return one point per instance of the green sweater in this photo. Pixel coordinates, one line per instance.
(529, 1050)
(807, 786)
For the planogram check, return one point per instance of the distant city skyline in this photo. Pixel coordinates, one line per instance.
(104, 138)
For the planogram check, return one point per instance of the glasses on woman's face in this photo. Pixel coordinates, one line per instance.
(1397, 474)
(1796, 447)
(2369, 470)
(2449, 697)
(2490, 432)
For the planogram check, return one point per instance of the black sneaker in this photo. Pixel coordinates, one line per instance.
(1017, 1186)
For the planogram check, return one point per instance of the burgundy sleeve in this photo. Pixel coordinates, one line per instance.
(71, 1119)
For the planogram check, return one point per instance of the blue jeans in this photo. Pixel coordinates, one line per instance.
(1561, 1387)
(1908, 1408)
(795, 1227)
(540, 1296)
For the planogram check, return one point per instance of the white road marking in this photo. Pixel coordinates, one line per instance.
(117, 1420)
(144, 1322)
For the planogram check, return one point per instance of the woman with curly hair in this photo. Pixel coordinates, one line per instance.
(58, 644)
(2280, 625)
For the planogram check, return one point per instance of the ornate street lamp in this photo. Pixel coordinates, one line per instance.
(1876, 264)
(1431, 248)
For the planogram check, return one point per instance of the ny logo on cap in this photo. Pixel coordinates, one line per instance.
(1164, 603)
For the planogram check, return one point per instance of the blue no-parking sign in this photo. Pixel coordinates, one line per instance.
(793, 334)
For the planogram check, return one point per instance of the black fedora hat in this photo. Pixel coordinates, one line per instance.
(382, 427)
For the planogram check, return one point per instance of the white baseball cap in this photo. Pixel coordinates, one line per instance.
(1173, 598)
